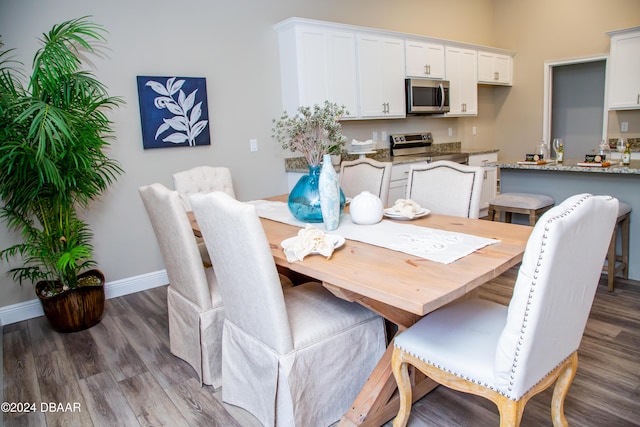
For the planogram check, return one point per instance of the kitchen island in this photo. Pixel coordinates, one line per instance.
(563, 180)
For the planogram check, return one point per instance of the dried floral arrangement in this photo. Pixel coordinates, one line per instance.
(314, 131)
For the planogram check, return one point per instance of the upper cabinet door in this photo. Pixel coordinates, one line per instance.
(462, 73)
(381, 76)
(318, 64)
(424, 59)
(495, 69)
(623, 73)
(341, 72)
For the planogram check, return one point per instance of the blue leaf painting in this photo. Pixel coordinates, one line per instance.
(173, 111)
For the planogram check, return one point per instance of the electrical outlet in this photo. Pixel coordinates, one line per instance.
(624, 127)
(375, 135)
(253, 144)
(383, 135)
(473, 130)
(450, 131)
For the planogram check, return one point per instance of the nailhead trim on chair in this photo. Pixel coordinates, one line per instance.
(473, 380)
(369, 164)
(532, 287)
(472, 183)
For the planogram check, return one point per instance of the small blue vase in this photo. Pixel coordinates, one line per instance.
(304, 199)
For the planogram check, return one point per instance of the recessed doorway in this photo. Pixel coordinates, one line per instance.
(575, 104)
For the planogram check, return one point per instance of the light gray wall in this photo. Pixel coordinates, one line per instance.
(233, 45)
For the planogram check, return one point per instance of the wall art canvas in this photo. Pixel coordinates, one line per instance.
(173, 111)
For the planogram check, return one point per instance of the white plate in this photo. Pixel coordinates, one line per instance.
(390, 213)
(337, 241)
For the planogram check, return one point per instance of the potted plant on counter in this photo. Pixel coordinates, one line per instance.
(52, 165)
(313, 131)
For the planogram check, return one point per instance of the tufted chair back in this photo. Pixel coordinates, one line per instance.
(202, 179)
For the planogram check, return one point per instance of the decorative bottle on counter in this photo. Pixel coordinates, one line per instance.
(560, 153)
(626, 156)
(329, 189)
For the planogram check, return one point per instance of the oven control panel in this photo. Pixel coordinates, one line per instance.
(404, 138)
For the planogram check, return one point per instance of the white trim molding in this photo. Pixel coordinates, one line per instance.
(32, 308)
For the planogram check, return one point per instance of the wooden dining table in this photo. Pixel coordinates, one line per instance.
(401, 288)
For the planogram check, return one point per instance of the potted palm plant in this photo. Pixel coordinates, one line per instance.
(53, 132)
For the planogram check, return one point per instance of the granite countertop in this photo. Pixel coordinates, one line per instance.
(571, 165)
(299, 164)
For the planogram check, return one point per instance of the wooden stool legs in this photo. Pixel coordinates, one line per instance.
(534, 214)
(618, 263)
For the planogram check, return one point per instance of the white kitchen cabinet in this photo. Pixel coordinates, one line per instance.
(381, 76)
(490, 182)
(318, 63)
(623, 70)
(462, 73)
(399, 178)
(398, 183)
(424, 59)
(495, 68)
(365, 68)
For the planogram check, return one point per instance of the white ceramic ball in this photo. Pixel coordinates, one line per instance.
(366, 208)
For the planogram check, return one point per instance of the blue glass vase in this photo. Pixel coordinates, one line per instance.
(304, 199)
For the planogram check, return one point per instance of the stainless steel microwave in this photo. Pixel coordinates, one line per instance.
(426, 96)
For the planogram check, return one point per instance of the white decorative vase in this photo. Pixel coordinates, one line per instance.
(329, 189)
(366, 208)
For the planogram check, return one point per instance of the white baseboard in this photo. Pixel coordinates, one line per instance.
(30, 309)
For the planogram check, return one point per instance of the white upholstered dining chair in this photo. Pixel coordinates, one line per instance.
(292, 357)
(446, 187)
(369, 175)
(509, 354)
(196, 312)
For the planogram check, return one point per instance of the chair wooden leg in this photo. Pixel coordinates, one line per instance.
(625, 246)
(510, 412)
(491, 213)
(611, 260)
(401, 373)
(560, 391)
(507, 216)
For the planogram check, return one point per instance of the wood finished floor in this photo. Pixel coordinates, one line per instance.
(121, 372)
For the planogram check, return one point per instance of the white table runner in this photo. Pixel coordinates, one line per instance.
(435, 245)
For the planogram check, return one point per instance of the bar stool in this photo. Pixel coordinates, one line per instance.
(619, 263)
(533, 205)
